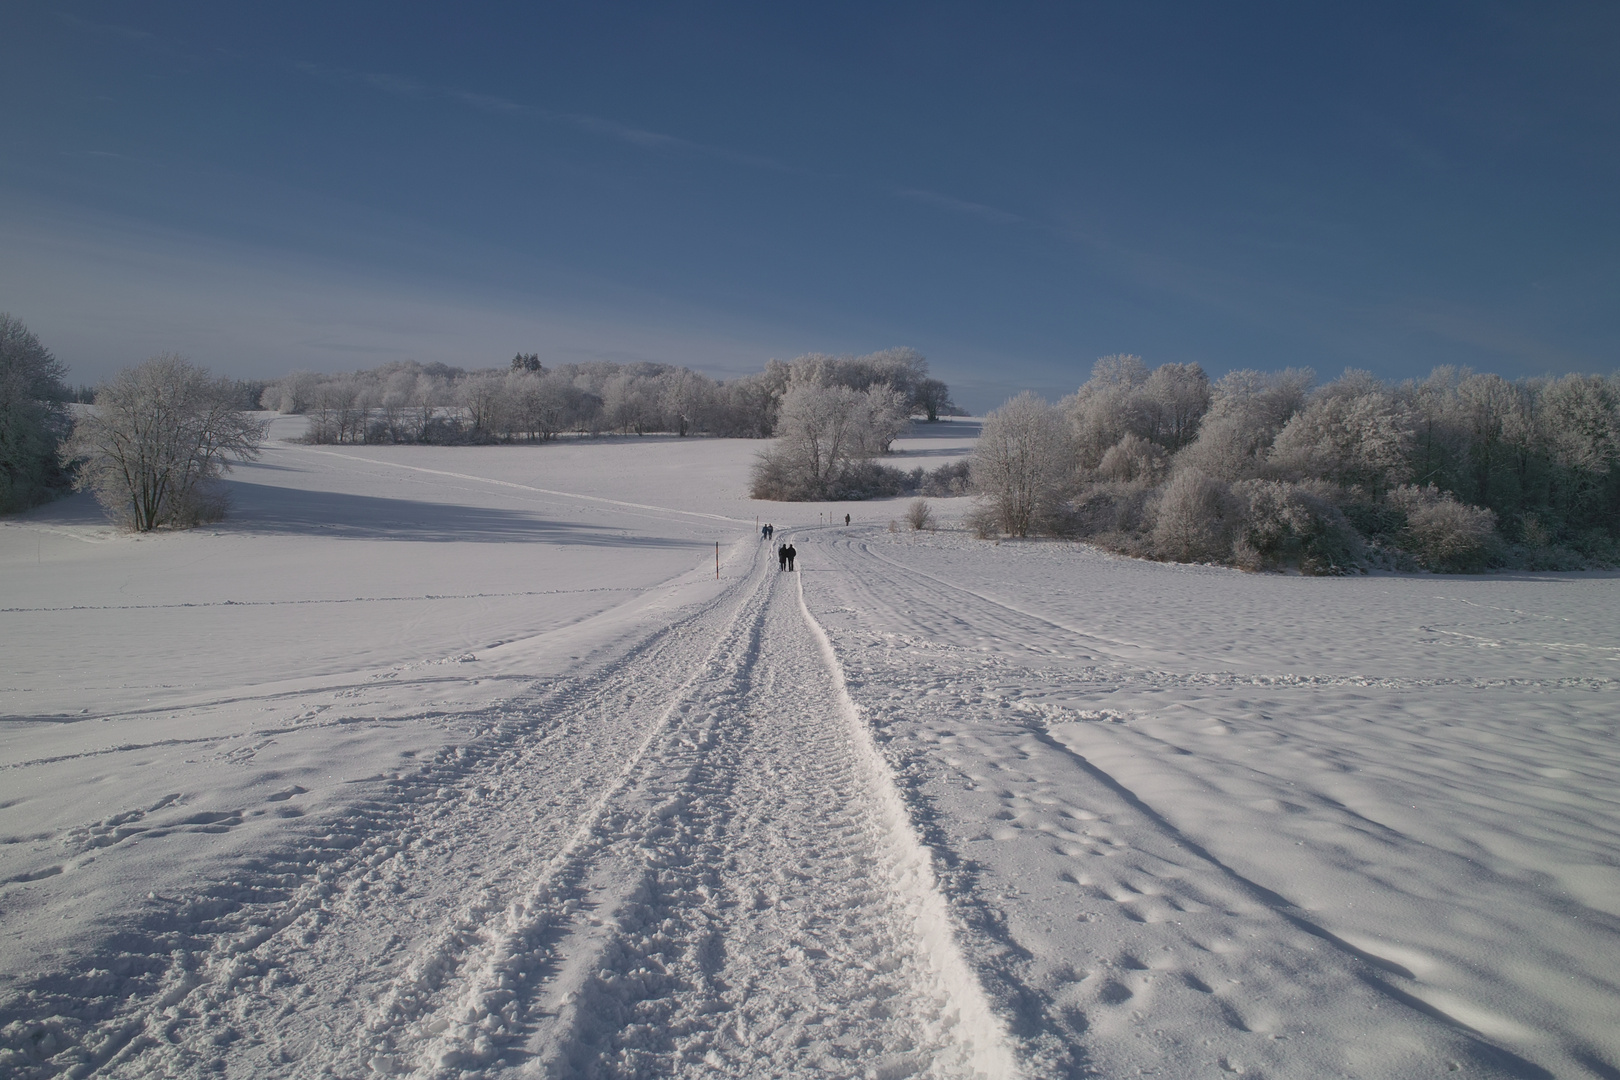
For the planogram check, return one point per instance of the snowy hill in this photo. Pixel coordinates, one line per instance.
(429, 762)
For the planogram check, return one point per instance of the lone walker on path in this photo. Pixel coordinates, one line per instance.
(846, 520)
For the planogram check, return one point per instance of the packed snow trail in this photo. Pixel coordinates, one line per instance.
(690, 862)
(781, 918)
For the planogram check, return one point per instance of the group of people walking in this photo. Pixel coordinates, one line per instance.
(785, 553)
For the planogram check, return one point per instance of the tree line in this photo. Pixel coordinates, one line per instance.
(153, 442)
(409, 402)
(1458, 471)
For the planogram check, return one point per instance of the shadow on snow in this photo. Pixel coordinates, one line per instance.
(266, 510)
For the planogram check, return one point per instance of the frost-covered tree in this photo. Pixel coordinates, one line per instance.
(1195, 518)
(1526, 473)
(686, 400)
(293, 394)
(1175, 398)
(1279, 523)
(1132, 460)
(817, 436)
(156, 441)
(883, 415)
(339, 408)
(1124, 399)
(1023, 465)
(1580, 426)
(412, 402)
(1247, 410)
(1108, 407)
(1353, 432)
(1443, 532)
(32, 418)
(1494, 419)
(826, 440)
(931, 398)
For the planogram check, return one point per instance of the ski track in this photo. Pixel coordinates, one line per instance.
(1170, 910)
(692, 861)
(722, 851)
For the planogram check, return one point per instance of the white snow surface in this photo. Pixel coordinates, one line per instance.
(462, 762)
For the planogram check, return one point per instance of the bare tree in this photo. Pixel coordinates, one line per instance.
(482, 395)
(1022, 464)
(153, 447)
(932, 397)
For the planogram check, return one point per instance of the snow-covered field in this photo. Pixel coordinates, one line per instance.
(444, 762)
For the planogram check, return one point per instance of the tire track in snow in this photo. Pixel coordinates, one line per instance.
(1133, 859)
(393, 901)
(928, 612)
(451, 1012)
(755, 901)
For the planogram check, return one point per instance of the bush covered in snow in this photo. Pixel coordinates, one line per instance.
(1457, 472)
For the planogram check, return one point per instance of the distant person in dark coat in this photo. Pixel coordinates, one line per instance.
(782, 558)
(846, 519)
(764, 532)
(791, 553)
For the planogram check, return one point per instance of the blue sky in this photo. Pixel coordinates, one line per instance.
(1015, 189)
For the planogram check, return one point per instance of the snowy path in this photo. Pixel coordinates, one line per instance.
(691, 862)
(781, 917)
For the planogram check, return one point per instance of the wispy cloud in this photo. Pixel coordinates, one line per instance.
(487, 102)
(113, 29)
(960, 206)
(403, 87)
(392, 84)
(623, 132)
